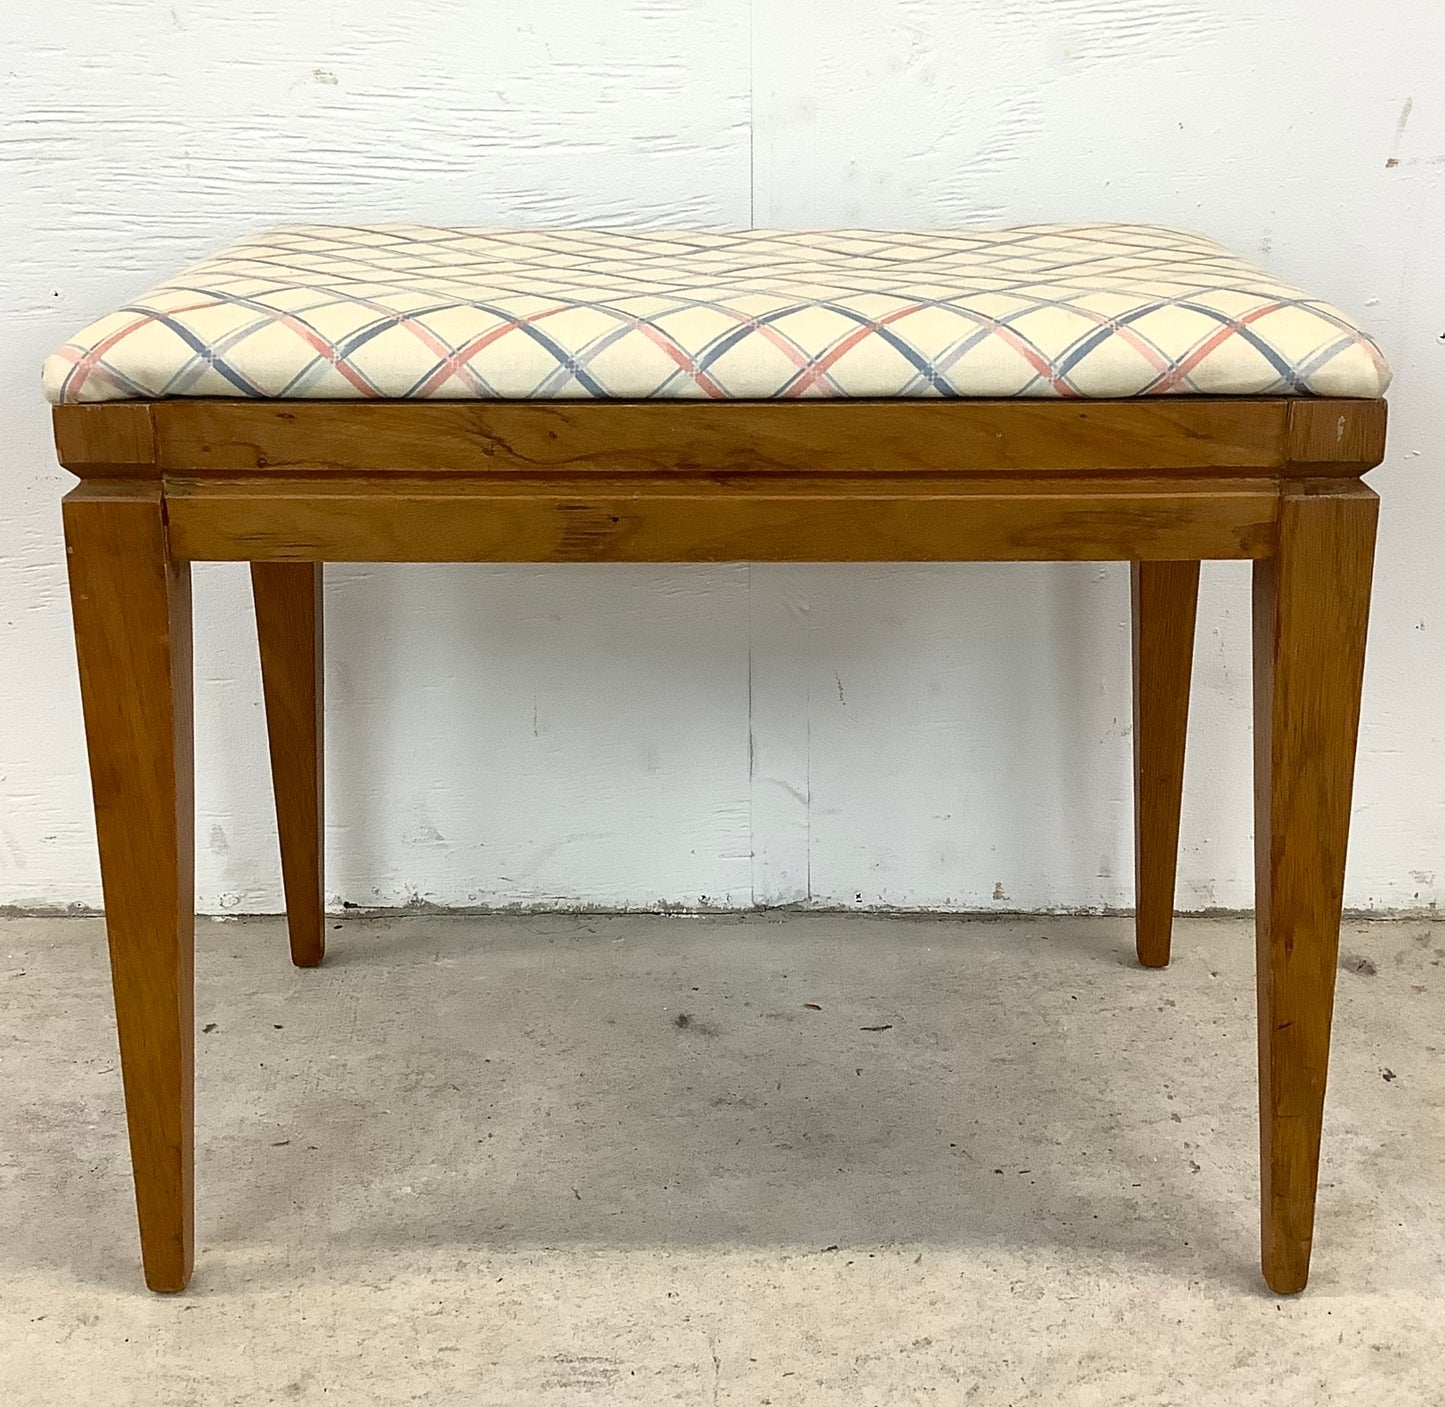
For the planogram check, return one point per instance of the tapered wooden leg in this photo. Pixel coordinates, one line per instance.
(289, 625)
(1164, 598)
(1311, 604)
(132, 613)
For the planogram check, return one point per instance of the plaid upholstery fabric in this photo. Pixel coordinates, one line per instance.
(416, 312)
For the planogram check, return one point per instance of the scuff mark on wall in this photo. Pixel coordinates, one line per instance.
(1404, 121)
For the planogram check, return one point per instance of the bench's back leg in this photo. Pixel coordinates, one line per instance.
(289, 627)
(132, 614)
(1311, 604)
(1164, 597)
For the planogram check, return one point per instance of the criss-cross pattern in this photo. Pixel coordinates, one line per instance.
(417, 312)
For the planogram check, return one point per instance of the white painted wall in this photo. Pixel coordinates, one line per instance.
(941, 736)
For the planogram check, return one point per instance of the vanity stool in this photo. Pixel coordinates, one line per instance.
(414, 394)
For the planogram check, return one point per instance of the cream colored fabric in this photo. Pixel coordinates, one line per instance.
(412, 311)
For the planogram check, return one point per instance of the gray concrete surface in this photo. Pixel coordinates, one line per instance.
(626, 1160)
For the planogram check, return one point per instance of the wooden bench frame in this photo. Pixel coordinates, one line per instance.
(286, 485)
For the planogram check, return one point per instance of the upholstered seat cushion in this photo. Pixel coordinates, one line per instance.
(409, 311)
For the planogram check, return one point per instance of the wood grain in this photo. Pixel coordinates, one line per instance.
(131, 608)
(1178, 433)
(111, 441)
(1185, 434)
(416, 520)
(289, 629)
(1164, 596)
(1311, 606)
(287, 486)
(1335, 437)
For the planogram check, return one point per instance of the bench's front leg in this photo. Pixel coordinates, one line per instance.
(1311, 604)
(132, 615)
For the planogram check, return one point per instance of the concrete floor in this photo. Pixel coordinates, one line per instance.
(803, 1159)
